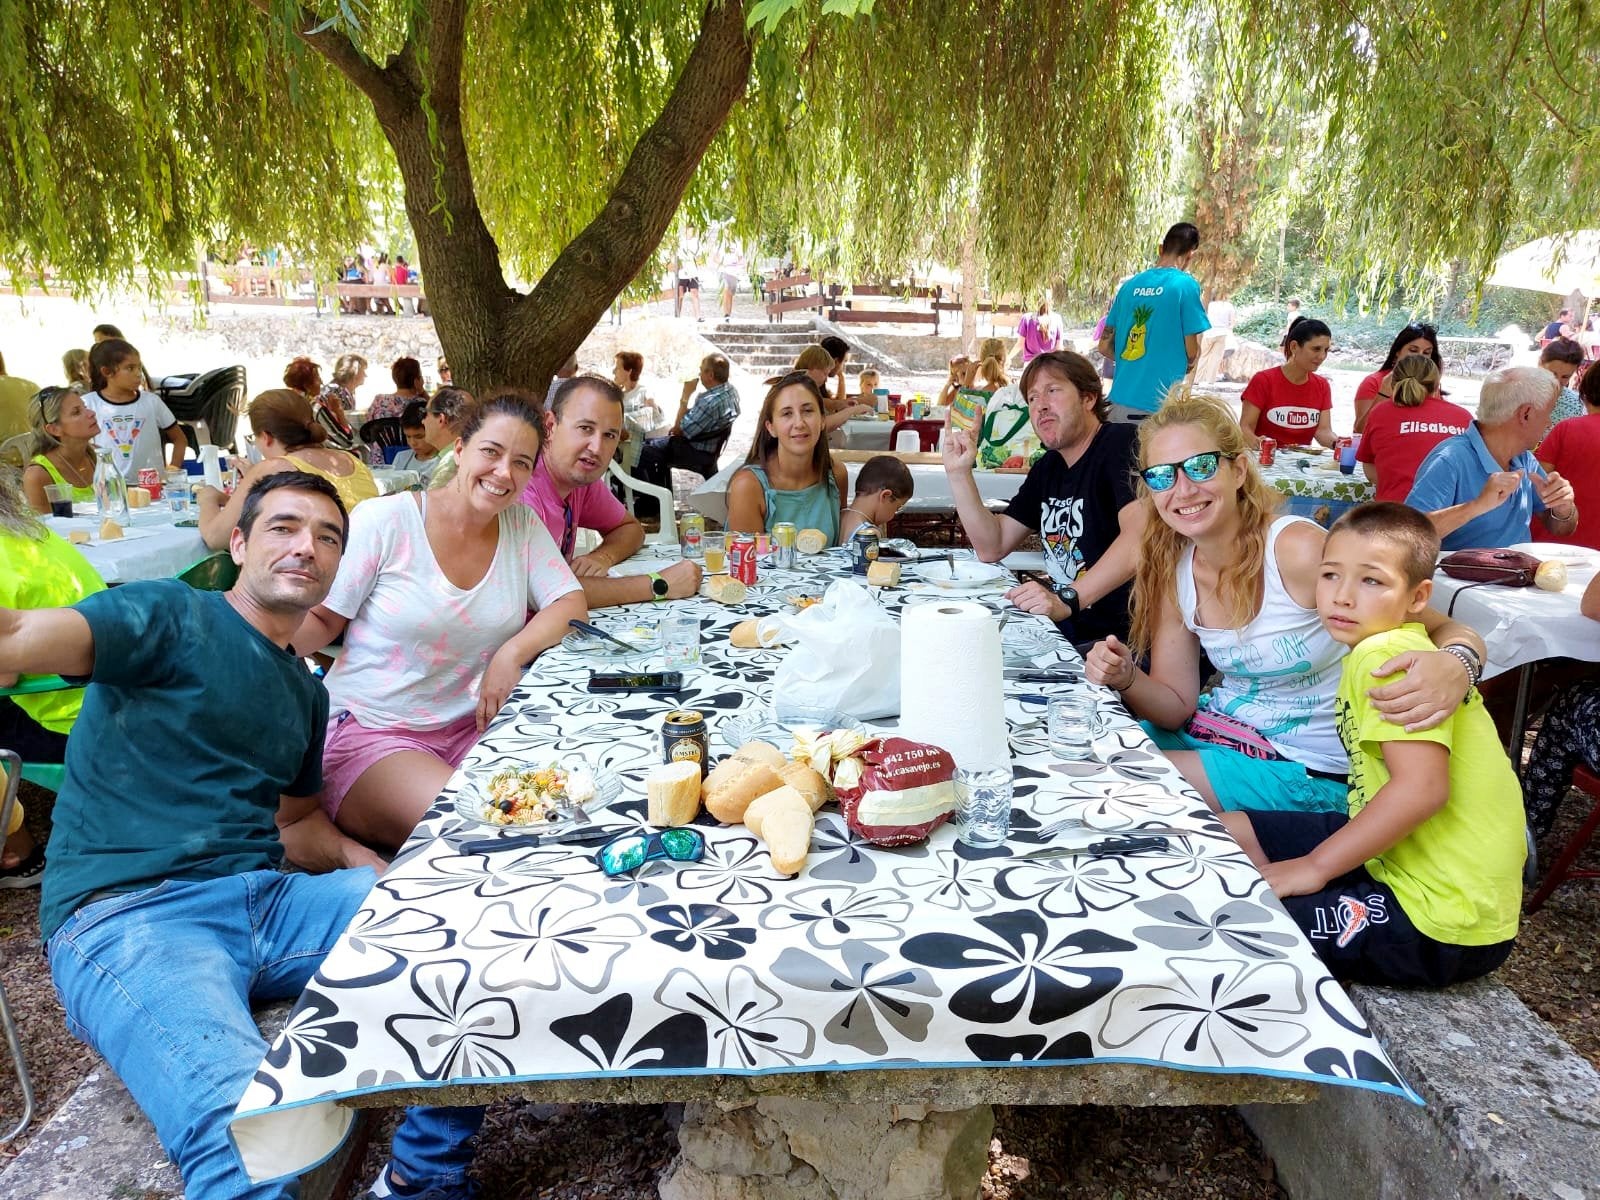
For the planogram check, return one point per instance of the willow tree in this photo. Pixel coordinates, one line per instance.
(556, 141)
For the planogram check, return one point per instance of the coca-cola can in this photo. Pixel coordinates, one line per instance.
(150, 480)
(742, 558)
(1269, 451)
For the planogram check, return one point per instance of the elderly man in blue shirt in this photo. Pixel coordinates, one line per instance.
(698, 431)
(1483, 487)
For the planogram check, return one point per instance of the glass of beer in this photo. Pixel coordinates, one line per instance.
(716, 549)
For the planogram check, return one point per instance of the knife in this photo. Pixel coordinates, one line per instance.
(596, 631)
(523, 841)
(1103, 848)
(1039, 675)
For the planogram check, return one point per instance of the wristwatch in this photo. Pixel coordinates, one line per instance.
(1068, 595)
(658, 587)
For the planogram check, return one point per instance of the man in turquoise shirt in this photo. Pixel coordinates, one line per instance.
(1153, 330)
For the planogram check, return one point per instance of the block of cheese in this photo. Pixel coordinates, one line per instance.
(811, 541)
(78, 537)
(725, 588)
(110, 531)
(672, 793)
(138, 497)
(884, 574)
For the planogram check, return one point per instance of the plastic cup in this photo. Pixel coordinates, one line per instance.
(715, 546)
(60, 498)
(679, 636)
(983, 806)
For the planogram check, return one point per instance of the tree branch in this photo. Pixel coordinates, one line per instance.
(341, 52)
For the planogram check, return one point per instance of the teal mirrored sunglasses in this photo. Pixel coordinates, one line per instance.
(1198, 467)
(633, 850)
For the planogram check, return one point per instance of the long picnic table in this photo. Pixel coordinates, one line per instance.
(873, 976)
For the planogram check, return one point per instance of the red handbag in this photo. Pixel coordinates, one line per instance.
(1510, 568)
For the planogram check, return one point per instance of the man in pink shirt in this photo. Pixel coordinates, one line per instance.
(582, 431)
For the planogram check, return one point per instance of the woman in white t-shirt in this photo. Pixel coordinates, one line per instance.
(133, 422)
(433, 596)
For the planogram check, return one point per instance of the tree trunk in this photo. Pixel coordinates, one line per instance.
(493, 335)
(969, 281)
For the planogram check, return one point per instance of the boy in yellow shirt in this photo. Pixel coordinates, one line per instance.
(1422, 883)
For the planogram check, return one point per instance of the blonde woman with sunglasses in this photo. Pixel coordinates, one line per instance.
(1220, 572)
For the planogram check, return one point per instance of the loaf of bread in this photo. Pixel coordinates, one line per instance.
(672, 794)
(725, 589)
(110, 531)
(787, 833)
(1551, 575)
(747, 635)
(811, 541)
(809, 782)
(770, 802)
(138, 497)
(884, 574)
(738, 779)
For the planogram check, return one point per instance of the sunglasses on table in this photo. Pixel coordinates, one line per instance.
(633, 850)
(1198, 467)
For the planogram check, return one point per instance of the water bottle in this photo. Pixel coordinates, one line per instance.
(110, 488)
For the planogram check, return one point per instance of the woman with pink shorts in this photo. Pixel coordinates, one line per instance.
(433, 597)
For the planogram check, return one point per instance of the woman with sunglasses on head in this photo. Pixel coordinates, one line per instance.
(1220, 572)
(1292, 403)
(1416, 338)
(790, 474)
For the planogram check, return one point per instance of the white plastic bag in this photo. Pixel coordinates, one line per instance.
(846, 654)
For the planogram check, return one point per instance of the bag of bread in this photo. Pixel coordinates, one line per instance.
(904, 792)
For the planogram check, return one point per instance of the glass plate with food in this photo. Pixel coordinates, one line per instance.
(639, 636)
(779, 724)
(546, 797)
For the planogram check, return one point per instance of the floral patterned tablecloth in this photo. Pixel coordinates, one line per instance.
(528, 964)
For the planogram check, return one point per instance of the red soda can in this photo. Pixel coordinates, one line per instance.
(1269, 451)
(1340, 446)
(742, 558)
(150, 480)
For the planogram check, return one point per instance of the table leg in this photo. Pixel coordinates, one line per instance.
(1519, 715)
(781, 1148)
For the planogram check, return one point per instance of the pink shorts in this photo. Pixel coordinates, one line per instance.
(351, 748)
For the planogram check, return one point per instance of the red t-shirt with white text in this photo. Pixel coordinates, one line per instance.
(1289, 411)
(1397, 439)
(1572, 448)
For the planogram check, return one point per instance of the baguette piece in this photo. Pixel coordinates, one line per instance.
(672, 794)
(787, 832)
(768, 803)
(78, 537)
(725, 589)
(737, 780)
(810, 783)
(138, 497)
(811, 541)
(747, 636)
(884, 574)
(110, 531)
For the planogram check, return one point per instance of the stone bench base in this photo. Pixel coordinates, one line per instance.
(1513, 1113)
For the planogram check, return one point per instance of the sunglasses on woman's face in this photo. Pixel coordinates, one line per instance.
(633, 850)
(1198, 467)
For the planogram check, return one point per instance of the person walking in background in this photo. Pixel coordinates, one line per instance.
(1154, 327)
(1038, 332)
(1218, 342)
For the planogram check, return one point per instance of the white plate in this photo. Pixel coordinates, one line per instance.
(779, 727)
(474, 795)
(1558, 552)
(968, 574)
(601, 650)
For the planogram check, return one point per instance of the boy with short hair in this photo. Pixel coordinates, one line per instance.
(420, 454)
(882, 489)
(1422, 883)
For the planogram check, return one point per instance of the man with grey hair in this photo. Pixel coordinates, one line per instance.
(1482, 487)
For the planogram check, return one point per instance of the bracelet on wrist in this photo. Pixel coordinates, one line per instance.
(1468, 658)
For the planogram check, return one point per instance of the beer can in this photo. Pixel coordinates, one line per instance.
(742, 558)
(691, 534)
(784, 534)
(863, 548)
(683, 737)
(1269, 451)
(150, 480)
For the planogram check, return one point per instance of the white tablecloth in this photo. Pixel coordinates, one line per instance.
(510, 966)
(1524, 625)
(152, 546)
(932, 492)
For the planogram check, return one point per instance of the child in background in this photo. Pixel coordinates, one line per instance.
(133, 422)
(420, 454)
(882, 489)
(76, 364)
(866, 383)
(1422, 883)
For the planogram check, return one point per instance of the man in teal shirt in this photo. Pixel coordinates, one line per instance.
(1153, 330)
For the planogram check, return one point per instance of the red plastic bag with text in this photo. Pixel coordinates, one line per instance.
(905, 792)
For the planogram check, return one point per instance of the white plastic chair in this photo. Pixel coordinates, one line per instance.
(667, 535)
(14, 450)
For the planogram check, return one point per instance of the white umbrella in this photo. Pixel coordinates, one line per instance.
(1535, 265)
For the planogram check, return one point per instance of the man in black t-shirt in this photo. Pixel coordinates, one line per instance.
(1079, 499)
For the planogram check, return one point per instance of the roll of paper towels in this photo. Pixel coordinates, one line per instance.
(211, 466)
(952, 691)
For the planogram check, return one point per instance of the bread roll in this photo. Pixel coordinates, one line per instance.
(672, 793)
(811, 541)
(763, 752)
(811, 784)
(725, 589)
(747, 636)
(787, 833)
(769, 802)
(138, 497)
(884, 574)
(1551, 575)
(736, 782)
(110, 531)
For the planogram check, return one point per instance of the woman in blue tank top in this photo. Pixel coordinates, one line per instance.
(789, 475)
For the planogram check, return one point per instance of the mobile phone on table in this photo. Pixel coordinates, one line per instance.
(639, 681)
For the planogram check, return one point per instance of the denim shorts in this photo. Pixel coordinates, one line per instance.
(1264, 784)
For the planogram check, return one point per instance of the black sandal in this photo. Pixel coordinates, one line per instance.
(25, 874)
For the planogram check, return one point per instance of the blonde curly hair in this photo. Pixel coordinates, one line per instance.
(1155, 583)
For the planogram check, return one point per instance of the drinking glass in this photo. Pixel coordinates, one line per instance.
(1070, 723)
(179, 490)
(716, 550)
(983, 805)
(679, 634)
(60, 498)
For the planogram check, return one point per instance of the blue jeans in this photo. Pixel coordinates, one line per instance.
(160, 983)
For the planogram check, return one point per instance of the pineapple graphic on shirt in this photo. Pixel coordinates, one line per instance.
(1134, 347)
